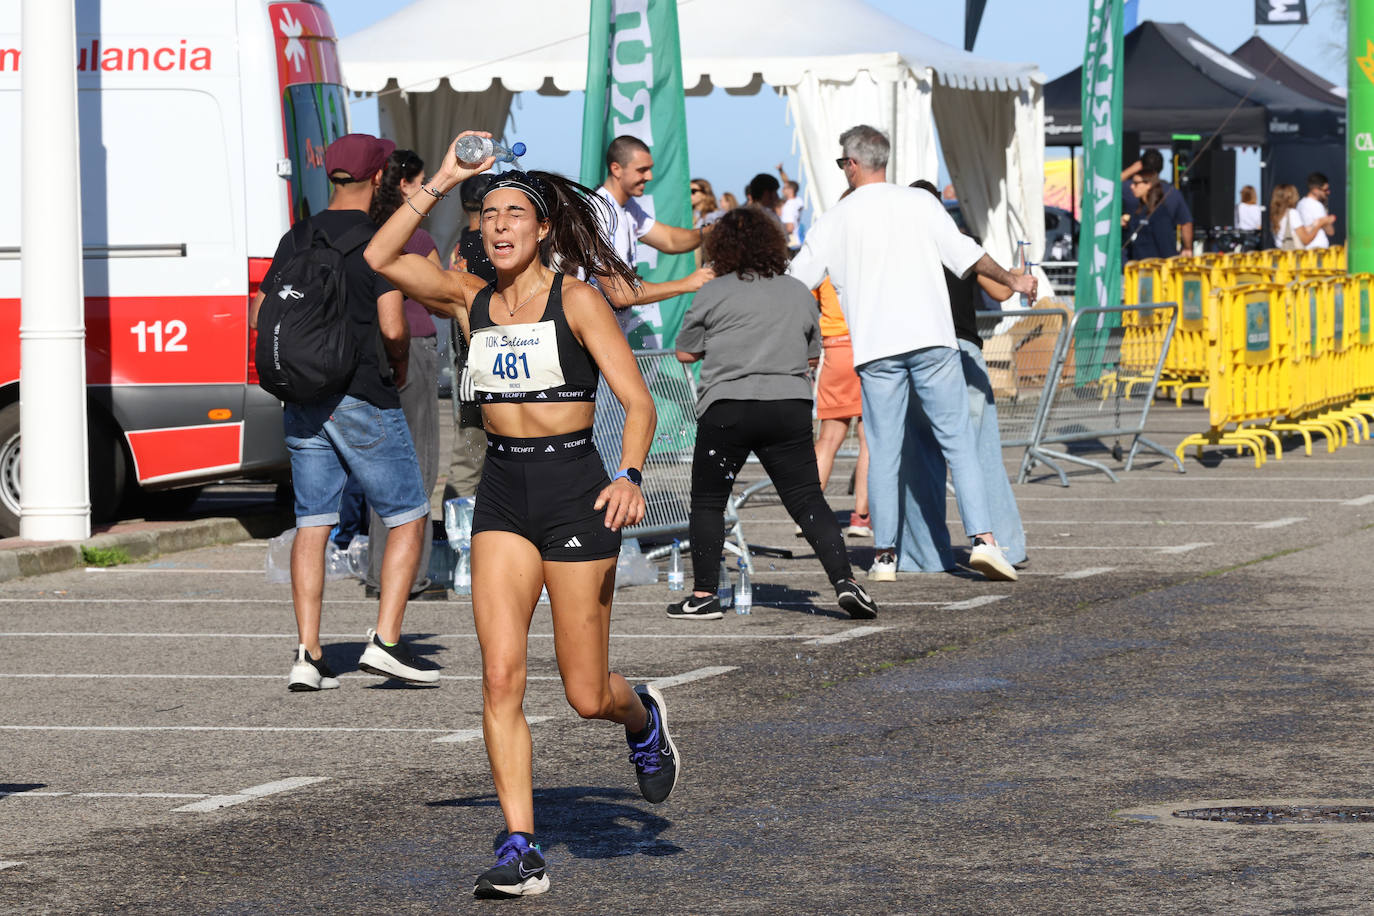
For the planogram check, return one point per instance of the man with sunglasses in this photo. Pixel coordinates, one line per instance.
(1312, 210)
(885, 249)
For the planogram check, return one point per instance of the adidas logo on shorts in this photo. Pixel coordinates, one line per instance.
(541, 396)
(573, 542)
(548, 448)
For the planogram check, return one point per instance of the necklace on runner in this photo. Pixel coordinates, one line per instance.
(510, 312)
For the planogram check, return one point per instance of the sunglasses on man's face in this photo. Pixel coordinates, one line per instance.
(842, 160)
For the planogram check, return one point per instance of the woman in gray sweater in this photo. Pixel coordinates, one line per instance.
(756, 330)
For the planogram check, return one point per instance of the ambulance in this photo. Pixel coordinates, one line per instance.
(202, 134)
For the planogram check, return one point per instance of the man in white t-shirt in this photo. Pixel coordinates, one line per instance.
(1312, 210)
(630, 167)
(791, 211)
(885, 249)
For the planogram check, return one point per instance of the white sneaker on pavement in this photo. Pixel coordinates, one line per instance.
(989, 560)
(884, 568)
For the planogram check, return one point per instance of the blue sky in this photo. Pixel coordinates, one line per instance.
(730, 138)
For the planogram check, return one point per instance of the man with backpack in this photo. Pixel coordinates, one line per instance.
(333, 344)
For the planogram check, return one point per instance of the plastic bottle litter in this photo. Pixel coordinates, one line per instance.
(458, 520)
(744, 593)
(462, 572)
(358, 555)
(725, 589)
(441, 563)
(675, 576)
(472, 150)
(632, 567)
(338, 564)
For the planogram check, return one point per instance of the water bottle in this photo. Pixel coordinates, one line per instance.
(462, 573)
(472, 150)
(675, 578)
(744, 594)
(725, 591)
(458, 520)
(357, 555)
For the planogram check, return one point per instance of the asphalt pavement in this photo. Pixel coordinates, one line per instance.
(980, 747)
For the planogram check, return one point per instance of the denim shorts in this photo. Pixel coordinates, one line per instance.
(343, 435)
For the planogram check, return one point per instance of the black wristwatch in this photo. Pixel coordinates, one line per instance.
(632, 475)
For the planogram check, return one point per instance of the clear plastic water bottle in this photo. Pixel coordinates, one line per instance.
(744, 593)
(458, 520)
(462, 572)
(725, 590)
(472, 150)
(675, 577)
(357, 555)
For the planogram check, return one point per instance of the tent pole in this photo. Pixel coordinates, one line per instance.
(1073, 185)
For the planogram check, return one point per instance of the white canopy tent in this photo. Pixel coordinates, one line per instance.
(438, 65)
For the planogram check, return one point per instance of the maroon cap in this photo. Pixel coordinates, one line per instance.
(360, 155)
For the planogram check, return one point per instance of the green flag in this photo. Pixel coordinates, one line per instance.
(1359, 135)
(1099, 236)
(634, 86)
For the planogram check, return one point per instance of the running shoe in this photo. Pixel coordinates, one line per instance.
(396, 662)
(694, 608)
(884, 568)
(657, 765)
(518, 872)
(309, 674)
(989, 560)
(856, 602)
(859, 526)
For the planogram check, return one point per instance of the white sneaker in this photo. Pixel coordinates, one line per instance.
(396, 662)
(884, 568)
(308, 674)
(989, 560)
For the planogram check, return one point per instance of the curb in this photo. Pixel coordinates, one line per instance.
(143, 545)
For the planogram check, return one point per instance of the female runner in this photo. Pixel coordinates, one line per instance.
(546, 513)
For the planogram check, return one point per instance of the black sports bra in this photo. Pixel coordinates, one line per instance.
(529, 363)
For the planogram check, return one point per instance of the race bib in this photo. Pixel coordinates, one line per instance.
(515, 357)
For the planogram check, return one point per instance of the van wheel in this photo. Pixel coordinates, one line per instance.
(108, 470)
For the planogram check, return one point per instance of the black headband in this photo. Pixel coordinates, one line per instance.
(526, 184)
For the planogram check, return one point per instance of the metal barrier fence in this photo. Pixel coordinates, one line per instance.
(1020, 347)
(1103, 383)
(667, 471)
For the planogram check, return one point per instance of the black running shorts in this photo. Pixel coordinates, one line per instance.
(544, 490)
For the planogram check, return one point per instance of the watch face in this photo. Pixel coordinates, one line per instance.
(636, 478)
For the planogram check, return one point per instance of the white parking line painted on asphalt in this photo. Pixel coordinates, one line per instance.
(843, 636)
(696, 635)
(1185, 548)
(9, 864)
(1116, 522)
(1282, 522)
(216, 728)
(1360, 500)
(36, 793)
(1085, 573)
(200, 570)
(974, 602)
(1178, 499)
(464, 735)
(251, 793)
(698, 674)
(242, 677)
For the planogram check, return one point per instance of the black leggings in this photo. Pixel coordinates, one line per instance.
(779, 432)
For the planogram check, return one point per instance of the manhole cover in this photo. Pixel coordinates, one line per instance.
(1277, 813)
(1282, 814)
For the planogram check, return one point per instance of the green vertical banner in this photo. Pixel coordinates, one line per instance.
(1359, 133)
(1098, 282)
(634, 86)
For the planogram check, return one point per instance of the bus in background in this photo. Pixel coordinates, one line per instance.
(202, 135)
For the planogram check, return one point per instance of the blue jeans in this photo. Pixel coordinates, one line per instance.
(339, 435)
(924, 543)
(934, 378)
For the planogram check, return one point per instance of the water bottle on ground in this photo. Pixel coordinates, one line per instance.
(458, 520)
(358, 555)
(744, 593)
(462, 572)
(725, 590)
(675, 577)
(472, 150)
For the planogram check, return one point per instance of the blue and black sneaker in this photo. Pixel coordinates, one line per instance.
(518, 872)
(654, 755)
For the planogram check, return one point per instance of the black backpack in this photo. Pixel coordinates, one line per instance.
(306, 348)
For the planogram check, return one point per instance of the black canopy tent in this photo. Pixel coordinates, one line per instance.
(1177, 82)
(1270, 61)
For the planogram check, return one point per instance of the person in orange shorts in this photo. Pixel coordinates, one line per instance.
(838, 400)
